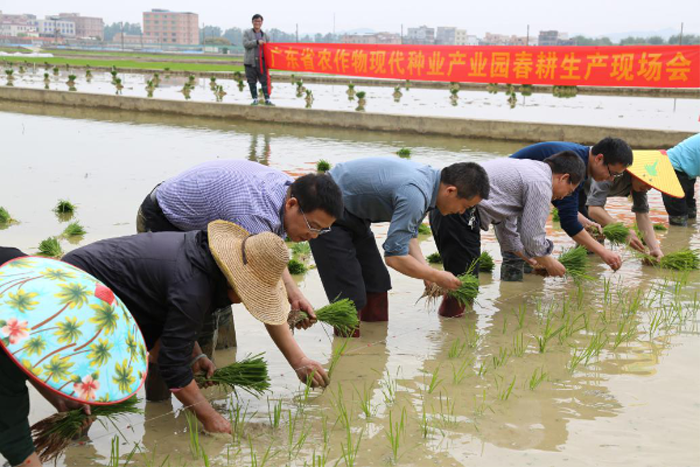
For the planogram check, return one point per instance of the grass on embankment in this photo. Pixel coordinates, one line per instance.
(163, 56)
(121, 64)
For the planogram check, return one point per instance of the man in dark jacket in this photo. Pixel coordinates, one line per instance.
(254, 60)
(171, 281)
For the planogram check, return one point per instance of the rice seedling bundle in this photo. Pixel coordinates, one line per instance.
(575, 260)
(296, 267)
(74, 229)
(64, 207)
(249, 374)
(555, 215)
(617, 233)
(682, 260)
(50, 247)
(301, 251)
(486, 263)
(424, 229)
(54, 434)
(403, 152)
(660, 227)
(323, 166)
(595, 233)
(434, 258)
(465, 294)
(340, 314)
(5, 217)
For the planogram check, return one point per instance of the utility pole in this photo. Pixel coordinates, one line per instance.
(527, 41)
(121, 23)
(680, 39)
(402, 34)
(333, 24)
(297, 32)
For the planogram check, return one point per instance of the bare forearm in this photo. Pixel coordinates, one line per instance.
(284, 340)
(410, 266)
(289, 284)
(585, 239)
(647, 229)
(600, 215)
(415, 251)
(192, 398)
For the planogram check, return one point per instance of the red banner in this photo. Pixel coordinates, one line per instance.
(638, 66)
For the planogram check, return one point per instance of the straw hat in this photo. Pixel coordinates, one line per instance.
(654, 167)
(253, 265)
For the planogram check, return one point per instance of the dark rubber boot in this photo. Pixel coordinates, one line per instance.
(512, 268)
(377, 307)
(692, 213)
(681, 221)
(450, 307)
(156, 389)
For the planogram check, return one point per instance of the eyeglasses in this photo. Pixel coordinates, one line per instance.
(308, 226)
(613, 174)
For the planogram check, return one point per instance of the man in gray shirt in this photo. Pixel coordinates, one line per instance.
(254, 60)
(598, 194)
(400, 192)
(521, 193)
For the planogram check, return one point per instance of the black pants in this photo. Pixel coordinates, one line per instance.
(686, 206)
(349, 261)
(150, 217)
(253, 74)
(458, 239)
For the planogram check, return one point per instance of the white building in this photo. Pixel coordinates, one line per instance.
(55, 26)
(17, 30)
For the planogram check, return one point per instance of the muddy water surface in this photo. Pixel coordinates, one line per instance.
(617, 384)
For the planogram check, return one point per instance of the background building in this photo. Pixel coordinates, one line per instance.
(169, 27)
(17, 25)
(86, 26)
(446, 36)
(554, 38)
(54, 26)
(378, 38)
(420, 35)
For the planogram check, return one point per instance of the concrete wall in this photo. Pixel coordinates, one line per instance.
(456, 127)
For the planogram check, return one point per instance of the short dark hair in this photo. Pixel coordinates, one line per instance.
(568, 163)
(318, 191)
(256, 16)
(614, 151)
(469, 177)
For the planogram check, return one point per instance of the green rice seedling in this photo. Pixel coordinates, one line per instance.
(340, 314)
(486, 263)
(555, 215)
(249, 375)
(390, 387)
(505, 325)
(446, 413)
(626, 330)
(404, 152)
(682, 260)
(266, 457)
(237, 418)
(435, 381)
(301, 251)
(64, 207)
(349, 449)
(54, 434)
(294, 443)
(660, 227)
(518, 345)
(50, 247)
(616, 233)
(274, 413)
(457, 349)
(481, 407)
(434, 258)
(343, 415)
(520, 314)
(506, 392)
(471, 336)
(323, 166)
(114, 452)
(500, 359)
(193, 432)
(424, 422)
(366, 400)
(296, 267)
(337, 353)
(537, 377)
(460, 373)
(576, 359)
(5, 217)
(483, 369)
(74, 229)
(395, 433)
(547, 334)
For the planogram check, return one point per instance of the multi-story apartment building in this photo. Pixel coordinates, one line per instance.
(86, 26)
(378, 38)
(169, 27)
(462, 38)
(420, 35)
(446, 36)
(54, 26)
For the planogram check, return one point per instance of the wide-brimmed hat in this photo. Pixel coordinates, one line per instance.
(253, 265)
(69, 332)
(654, 168)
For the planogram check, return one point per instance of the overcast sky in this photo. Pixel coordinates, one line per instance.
(592, 17)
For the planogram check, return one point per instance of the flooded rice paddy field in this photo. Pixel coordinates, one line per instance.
(543, 372)
(616, 111)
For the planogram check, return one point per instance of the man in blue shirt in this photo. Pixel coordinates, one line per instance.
(685, 158)
(606, 160)
(397, 191)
